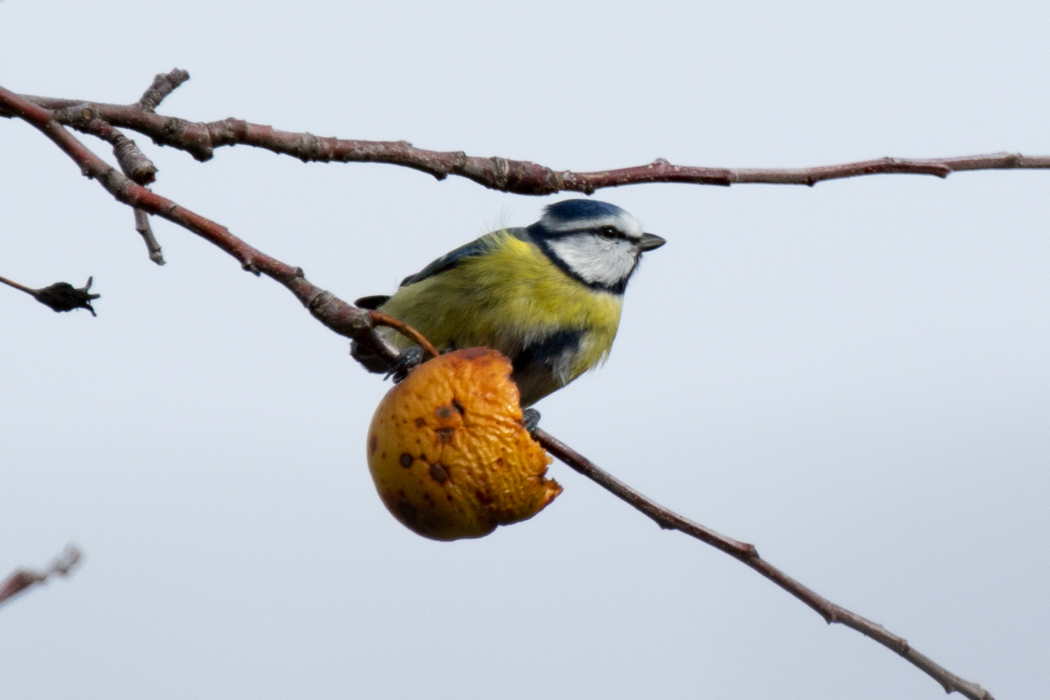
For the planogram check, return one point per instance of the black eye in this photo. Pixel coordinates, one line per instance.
(608, 232)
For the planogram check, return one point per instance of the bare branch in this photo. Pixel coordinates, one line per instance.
(746, 553)
(60, 296)
(163, 85)
(85, 118)
(200, 139)
(336, 314)
(359, 324)
(146, 231)
(22, 579)
(134, 164)
(20, 287)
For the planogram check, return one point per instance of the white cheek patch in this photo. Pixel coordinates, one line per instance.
(595, 259)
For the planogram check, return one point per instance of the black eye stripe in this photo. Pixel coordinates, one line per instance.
(610, 232)
(597, 231)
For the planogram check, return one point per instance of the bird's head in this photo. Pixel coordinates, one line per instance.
(596, 242)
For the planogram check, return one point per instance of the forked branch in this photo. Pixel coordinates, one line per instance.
(359, 324)
(200, 139)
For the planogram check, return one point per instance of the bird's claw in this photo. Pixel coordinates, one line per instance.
(531, 418)
(409, 358)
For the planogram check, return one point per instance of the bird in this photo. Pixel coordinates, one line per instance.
(547, 296)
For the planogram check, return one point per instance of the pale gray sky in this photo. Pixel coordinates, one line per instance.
(853, 377)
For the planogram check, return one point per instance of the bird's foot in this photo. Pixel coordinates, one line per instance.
(409, 358)
(531, 418)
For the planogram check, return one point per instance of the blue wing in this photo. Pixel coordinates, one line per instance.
(449, 261)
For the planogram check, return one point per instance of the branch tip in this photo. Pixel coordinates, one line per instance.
(60, 296)
(163, 85)
(142, 226)
(20, 580)
(747, 554)
(528, 178)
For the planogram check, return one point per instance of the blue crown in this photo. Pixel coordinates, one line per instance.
(573, 209)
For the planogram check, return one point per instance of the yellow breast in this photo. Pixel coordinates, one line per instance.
(508, 298)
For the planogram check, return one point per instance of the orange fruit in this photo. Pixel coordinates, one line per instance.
(449, 454)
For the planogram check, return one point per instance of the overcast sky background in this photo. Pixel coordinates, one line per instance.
(854, 377)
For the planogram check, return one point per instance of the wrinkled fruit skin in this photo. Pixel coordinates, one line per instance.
(449, 454)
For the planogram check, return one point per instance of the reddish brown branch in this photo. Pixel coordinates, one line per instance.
(381, 319)
(358, 324)
(22, 579)
(85, 118)
(746, 553)
(134, 164)
(200, 139)
(339, 316)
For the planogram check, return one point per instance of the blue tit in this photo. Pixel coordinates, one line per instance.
(547, 296)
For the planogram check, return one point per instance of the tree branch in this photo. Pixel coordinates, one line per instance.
(339, 316)
(163, 85)
(60, 296)
(22, 579)
(146, 231)
(358, 324)
(133, 163)
(200, 139)
(746, 553)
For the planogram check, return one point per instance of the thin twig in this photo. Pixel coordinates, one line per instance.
(200, 139)
(146, 231)
(163, 85)
(22, 288)
(381, 319)
(746, 553)
(22, 579)
(134, 164)
(343, 318)
(358, 324)
(60, 296)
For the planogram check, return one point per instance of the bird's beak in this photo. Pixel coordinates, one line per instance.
(650, 242)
